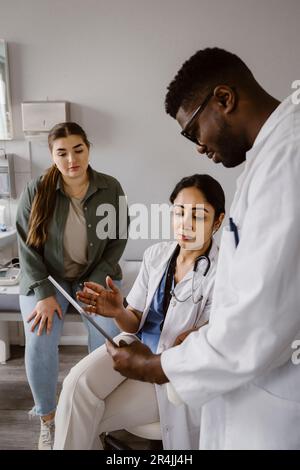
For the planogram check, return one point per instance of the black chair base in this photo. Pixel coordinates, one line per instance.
(113, 443)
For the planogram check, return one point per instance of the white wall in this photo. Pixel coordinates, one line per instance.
(113, 59)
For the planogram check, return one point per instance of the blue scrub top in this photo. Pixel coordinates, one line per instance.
(150, 332)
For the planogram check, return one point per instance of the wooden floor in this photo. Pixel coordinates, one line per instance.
(17, 431)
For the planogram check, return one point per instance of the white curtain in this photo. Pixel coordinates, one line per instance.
(3, 120)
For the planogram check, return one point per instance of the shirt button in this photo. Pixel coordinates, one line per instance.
(91, 244)
(89, 225)
(85, 208)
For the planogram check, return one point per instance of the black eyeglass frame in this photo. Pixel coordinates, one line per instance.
(195, 114)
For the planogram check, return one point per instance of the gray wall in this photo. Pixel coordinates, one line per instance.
(112, 60)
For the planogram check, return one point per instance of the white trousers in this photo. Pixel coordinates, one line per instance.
(96, 399)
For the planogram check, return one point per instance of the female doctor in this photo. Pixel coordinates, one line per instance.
(170, 298)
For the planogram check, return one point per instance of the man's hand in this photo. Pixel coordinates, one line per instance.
(136, 361)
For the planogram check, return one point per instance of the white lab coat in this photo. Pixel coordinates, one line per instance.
(179, 425)
(239, 366)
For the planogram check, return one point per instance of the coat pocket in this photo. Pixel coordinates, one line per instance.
(257, 419)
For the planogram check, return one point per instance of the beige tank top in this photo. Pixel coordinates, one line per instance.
(75, 240)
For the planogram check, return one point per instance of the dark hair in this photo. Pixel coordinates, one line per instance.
(64, 129)
(211, 189)
(202, 72)
(44, 200)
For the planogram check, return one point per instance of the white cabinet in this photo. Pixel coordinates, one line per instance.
(40, 116)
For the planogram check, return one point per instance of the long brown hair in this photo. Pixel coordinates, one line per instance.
(44, 200)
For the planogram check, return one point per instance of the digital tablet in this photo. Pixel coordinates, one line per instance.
(81, 311)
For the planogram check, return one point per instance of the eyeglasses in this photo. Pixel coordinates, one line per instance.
(195, 114)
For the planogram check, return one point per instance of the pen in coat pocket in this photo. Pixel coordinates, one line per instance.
(234, 229)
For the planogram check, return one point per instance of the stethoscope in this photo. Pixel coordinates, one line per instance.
(195, 299)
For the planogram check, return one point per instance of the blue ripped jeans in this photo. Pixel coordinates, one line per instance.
(41, 352)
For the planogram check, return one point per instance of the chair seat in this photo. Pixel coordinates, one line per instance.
(147, 431)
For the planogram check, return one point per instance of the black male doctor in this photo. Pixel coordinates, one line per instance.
(239, 367)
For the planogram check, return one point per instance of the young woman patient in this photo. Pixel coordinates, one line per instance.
(170, 299)
(56, 224)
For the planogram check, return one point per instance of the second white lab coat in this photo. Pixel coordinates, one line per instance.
(179, 424)
(239, 367)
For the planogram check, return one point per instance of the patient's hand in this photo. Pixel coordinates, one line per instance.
(180, 338)
(43, 314)
(101, 301)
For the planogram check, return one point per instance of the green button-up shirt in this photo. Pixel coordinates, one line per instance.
(103, 254)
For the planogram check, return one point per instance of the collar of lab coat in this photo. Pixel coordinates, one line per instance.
(213, 253)
(270, 124)
(160, 263)
(273, 120)
(268, 127)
